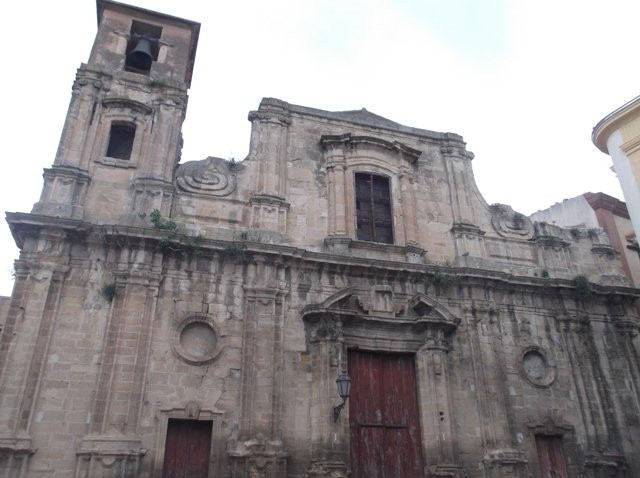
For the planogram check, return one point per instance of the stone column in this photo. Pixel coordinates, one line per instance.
(435, 403)
(329, 447)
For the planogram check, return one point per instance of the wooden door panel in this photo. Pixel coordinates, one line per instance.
(187, 449)
(551, 457)
(383, 416)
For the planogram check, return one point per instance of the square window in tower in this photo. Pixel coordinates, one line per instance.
(121, 140)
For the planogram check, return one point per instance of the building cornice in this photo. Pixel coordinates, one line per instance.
(604, 201)
(24, 224)
(607, 125)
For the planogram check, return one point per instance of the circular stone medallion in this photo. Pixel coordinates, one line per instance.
(196, 341)
(536, 368)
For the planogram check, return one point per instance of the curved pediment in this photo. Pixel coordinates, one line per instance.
(381, 304)
(370, 142)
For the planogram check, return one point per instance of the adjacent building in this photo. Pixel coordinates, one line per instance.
(192, 319)
(599, 210)
(618, 135)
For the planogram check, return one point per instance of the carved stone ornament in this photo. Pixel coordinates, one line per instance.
(509, 223)
(536, 368)
(196, 341)
(211, 176)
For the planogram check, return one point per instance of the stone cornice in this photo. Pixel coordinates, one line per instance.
(609, 203)
(23, 224)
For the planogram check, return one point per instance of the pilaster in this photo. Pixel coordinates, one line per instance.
(434, 398)
(259, 450)
(113, 447)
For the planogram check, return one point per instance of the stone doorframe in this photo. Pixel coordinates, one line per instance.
(379, 320)
(190, 411)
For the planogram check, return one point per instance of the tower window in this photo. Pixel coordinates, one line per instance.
(373, 208)
(121, 140)
(142, 49)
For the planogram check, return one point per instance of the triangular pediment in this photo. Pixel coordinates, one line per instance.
(366, 117)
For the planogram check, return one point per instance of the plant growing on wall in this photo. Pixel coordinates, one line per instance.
(442, 281)
(108, 291)
(583, 286)
(186, 244)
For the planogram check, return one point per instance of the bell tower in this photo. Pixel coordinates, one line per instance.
(122, 136)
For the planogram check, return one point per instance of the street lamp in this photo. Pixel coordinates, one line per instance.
(344, 389)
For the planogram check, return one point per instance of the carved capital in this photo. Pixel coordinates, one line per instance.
(327, 469)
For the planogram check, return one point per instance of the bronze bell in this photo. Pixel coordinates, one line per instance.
(140, 57)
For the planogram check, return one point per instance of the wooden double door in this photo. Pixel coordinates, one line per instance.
(551, 457)
(383, 416)
(188, 449)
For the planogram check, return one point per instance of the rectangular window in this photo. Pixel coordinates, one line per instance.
(373, 208)
(121, 140)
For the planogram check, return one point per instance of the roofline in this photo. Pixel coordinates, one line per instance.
(100, 4)
(268, 102)
(607, 125)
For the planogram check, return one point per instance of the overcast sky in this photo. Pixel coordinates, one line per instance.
(523, 82)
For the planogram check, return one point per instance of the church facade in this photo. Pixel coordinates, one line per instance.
(193, 319)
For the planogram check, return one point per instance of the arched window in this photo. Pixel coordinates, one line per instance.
(373, 208)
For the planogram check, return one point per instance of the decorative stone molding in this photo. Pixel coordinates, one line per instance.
(269, 212)
(148, 194)
(327, 469)
(211, 176)
(445, 470)
(126, 105)
(14, 454)
(338, 244)
(64, 192)
(456, 151)
(607, 464)
(349, 141)
(258, 458)
(505, 462)
(414, 253)
(272, 110)
(509, 223)
(548, 235)
(466, 229)
(116, 456)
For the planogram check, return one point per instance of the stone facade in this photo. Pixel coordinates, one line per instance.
(150, 293)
